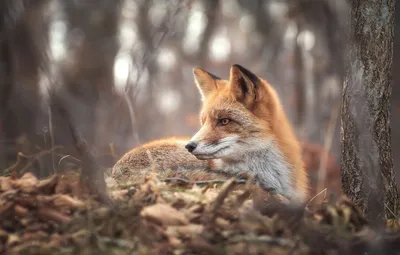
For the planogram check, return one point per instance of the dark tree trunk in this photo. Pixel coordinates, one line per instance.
(23, 41)
(5, 83)
(395, 99)
(367, 164)
(88, 83)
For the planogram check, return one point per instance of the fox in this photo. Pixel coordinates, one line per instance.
(244, 131)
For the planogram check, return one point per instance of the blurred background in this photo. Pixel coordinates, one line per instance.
(123, 71)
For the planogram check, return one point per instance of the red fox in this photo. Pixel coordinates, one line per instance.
(244, 129)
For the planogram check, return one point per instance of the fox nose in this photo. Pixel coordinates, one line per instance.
(191, 146)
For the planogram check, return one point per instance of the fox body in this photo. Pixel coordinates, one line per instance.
(244, 129)
(169, 158)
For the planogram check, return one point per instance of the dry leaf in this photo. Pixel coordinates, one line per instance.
(164, 214)
(21, 211)
(48, 185)
(5, 184)
(27, 183)
(68, 201)
(186, 230)
(13, 239)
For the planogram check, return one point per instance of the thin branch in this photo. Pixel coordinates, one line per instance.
(319, 193)
(327, 145)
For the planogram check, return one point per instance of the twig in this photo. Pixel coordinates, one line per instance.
(66, 156)
(113, 153)
(327, 145)
(323, 191)
(151, 50)
(41, 152)
(37, 156)
(8, 170)
(129, 103)
(51, 131)
(31, 159)
(391, 212)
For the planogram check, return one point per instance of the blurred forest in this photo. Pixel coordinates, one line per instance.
(123, 71)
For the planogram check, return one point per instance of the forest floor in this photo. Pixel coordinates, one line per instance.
(56, 216)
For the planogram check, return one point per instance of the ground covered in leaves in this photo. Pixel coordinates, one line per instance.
(54, 216)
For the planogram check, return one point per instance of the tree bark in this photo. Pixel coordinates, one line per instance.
(5, 83)
(367, 164)
(23, 41)
(395, 98)
(88, 78)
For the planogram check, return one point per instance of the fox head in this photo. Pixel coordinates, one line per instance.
(235, 115)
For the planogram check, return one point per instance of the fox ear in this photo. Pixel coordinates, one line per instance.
(244, 85)
(205, 81)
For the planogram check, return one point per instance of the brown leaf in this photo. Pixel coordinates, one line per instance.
(5, 184)
(3, 235)
(13, 239)
(21, 211)
(51, 214)
(27, 183)
(164, 214)
(223, 223)
(174, 242)
(5, 208)
(38, 235)
(186, 230)
(68, 201)
(225, 189)
(69, 183)
(47, 186)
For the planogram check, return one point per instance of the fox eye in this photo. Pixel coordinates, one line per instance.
(223, 122)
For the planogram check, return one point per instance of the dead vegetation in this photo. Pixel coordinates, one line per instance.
(56, 216)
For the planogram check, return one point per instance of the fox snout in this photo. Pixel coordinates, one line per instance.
(205, 149)
(191, 146)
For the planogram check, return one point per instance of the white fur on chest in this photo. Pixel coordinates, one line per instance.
(268, 164)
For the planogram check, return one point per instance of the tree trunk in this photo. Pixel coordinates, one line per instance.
(367, 164)
(88, 78)
(5, 83)
(395, 98)
(23, 41)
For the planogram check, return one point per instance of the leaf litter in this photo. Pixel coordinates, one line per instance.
(55, 216)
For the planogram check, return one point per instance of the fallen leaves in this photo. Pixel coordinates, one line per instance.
(155, 217)
(31, 210)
